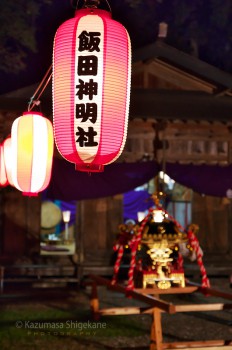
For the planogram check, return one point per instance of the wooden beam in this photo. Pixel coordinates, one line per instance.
(130, 310)
(182, 105)
(202, 307)
(173, 290)
(133, 310)
(200, 345)
(153, 104)
(148, 299)
(211, 291)
(168, 307)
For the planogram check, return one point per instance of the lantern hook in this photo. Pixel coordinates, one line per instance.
(92, 4)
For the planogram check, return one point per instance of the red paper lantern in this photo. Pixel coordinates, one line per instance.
(91, 89)
(32, 145)
(3, 176)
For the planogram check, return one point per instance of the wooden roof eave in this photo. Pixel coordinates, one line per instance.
(188, 62)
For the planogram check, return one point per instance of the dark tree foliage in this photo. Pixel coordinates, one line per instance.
(200, 27)
(18, 26)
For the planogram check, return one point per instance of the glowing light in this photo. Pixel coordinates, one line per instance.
(32, 147)
(91, 89)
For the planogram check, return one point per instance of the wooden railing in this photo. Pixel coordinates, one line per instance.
(37, 273)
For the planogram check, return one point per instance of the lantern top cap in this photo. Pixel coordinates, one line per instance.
(92, 11)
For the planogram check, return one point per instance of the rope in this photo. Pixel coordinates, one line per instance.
(134, 246)
(193, 241)
(43, 84)
(117, 263)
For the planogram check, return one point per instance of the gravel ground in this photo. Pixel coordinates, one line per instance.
(131, 331)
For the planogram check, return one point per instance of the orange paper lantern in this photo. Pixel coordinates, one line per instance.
(32, 146)
(91, 89)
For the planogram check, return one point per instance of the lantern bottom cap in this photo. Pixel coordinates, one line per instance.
(90, 168)
(30, 194)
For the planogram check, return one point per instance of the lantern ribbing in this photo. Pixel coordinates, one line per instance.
(91, 89)
(32, 147)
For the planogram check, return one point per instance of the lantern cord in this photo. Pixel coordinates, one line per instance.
(72, 3)
(108, 5)
(42, 86)
(76, 4)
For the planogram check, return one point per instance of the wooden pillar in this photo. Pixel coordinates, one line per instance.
(2, 270)
(33, 225)
(212, 216)
(156, 336)
(94, 302)
(230, 231)
(98, 221)
(21, 225)
(156, 330)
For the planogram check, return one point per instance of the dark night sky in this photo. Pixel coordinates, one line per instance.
(46, 25)
(211, 28)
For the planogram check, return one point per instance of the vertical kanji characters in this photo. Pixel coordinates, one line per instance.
(87, 88)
